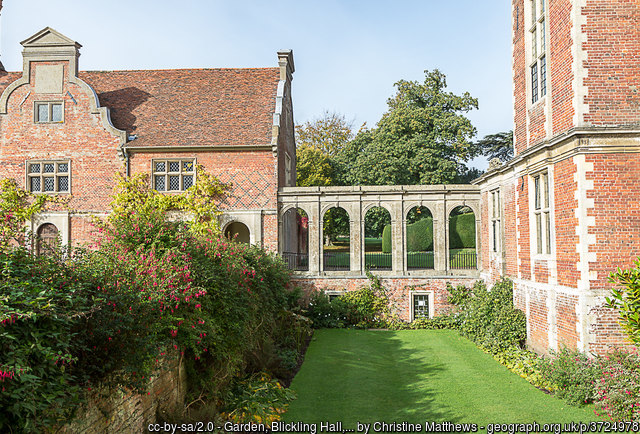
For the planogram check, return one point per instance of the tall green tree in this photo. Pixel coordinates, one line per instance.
(329, 133)
(499, 145)
(423, 138)
(318, 142)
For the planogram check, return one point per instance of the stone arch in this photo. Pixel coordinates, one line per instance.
(462, 237)
(419, 240)
(336, 253)
(237, 231)
(377, 221)
(295, 228)
(46, 239)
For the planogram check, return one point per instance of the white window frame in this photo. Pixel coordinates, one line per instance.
(538, 67)
(181, 173)
(430, 299)
(49, 104)
(56, 175)
(542, 214)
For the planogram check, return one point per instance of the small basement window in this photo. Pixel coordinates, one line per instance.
(421, 305)
(50, 112)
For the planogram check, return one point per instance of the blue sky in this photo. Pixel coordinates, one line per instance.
(347, 54)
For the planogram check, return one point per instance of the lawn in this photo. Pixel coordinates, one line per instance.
(415, 376)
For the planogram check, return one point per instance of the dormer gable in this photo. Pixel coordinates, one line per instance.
(49, 45)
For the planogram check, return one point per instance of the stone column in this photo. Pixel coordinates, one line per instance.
(440, 236)
(397, 238)
(477, 215)
(315, 238)
(356, 240)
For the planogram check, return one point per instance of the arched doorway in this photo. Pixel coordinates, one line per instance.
(47, 239)
(462, 238)
(237, 231)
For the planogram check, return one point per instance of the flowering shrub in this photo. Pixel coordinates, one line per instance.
(107, 316)
(572, 374)
(42, 309)
(617, 391)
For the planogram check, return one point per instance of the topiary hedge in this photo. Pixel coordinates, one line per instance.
(419, 236)
(462, 231)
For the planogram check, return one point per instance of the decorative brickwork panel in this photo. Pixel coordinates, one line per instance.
(541, 271)
(612, 43)
(270, 232)
(565, 204)
(250, 173)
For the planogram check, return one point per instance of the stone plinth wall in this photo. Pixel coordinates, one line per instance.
(399, 290)
(116, 411)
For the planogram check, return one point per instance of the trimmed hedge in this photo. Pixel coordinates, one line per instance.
(462, 231)
(419, 236)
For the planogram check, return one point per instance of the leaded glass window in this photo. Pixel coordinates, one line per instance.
(420, 306)
(542, 213)
(538, 50)
(49, 112)
(173, 175)
(48, 176)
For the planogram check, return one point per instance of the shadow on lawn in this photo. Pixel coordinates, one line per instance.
(359, 376)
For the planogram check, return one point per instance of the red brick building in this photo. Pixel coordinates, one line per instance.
(65, 131)
(565, 212)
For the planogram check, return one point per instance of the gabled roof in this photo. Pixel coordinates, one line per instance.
(190, 107)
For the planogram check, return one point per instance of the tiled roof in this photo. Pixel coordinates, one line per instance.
(190, 107)
(7, 77)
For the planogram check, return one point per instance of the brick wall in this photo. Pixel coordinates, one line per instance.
(519, 76)
(565, 204)
(612, 43)
(616, 197)
(560, 65)
(398, 290)
(523, 234)
(124, 412)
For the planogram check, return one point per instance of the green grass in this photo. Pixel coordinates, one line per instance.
(415, 376)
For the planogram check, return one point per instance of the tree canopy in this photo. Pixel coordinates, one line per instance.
(499, 145)
(423, 138)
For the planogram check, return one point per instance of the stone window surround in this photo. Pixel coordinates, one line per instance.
(430, 294)
(547, 228)
(49, 104)
(495, 212)
(60, 219)
(55, 174)
(181, 172)
(537, 38)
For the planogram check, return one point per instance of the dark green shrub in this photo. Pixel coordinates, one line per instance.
(625, 299)
(324, 313)
(489, 318)
(462, 231)
(419, 236)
